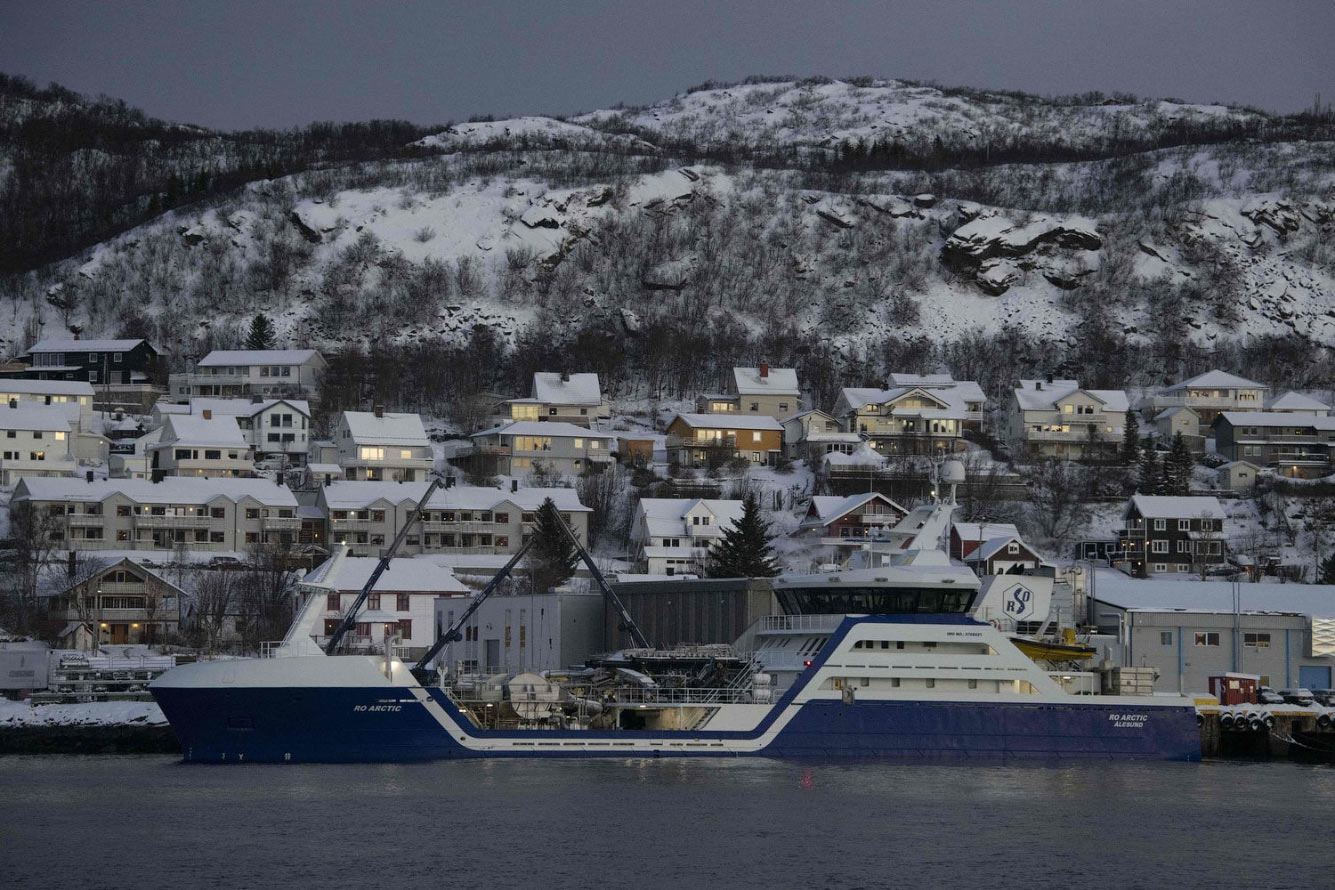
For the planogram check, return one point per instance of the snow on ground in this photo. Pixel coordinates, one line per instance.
(109, 713)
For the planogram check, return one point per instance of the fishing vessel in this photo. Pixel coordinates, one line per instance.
(891, 656)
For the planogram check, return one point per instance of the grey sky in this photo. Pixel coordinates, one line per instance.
(245, 63)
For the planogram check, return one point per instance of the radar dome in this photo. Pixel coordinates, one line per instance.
(952, 473)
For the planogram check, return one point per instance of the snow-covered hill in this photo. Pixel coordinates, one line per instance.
(538, 229)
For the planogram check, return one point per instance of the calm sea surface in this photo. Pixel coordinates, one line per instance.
(149, 822)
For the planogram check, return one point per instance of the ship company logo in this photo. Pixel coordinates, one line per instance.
(1019, 602)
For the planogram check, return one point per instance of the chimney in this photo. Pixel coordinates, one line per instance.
(449, 481)
(764, 370)
(1038, 384)
(256, 398)
(1049, 379)
(379, 411)
(208, 413)
(72, 563)
(88, 476)
(328, 481)
(565, 376)
(514, 485)
(76, 335)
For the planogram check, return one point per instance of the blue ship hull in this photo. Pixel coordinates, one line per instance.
(338, 725)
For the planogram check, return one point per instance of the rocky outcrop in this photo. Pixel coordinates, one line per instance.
(995, 250)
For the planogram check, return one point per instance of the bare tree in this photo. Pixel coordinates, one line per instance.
(34, 535)
(1056, 495)
(215, 594)
(264, 593)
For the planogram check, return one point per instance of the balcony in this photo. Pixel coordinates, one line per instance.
(281, 523)
(350, 525)
(465, 528)
(1219, 403)
(1305, 458)
(86, 520)
(1074, 437)
(150, 521)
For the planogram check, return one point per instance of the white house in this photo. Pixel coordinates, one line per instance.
(229, 373)
(133, 458)
(672, 536)
(1061, 419)
(810, 435)
(526, 446)
(16, 392)
(1210, 393)
(274, 428)
(377, 445)
(36, 441)
(201, 445)
(966, 393)
(762, 390)
(561, 398)
(401, 605)
(1297, 403)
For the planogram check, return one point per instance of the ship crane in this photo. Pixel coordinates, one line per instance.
(350, 617)
(455, 632)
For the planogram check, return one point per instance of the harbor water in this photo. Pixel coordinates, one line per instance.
(143, 822)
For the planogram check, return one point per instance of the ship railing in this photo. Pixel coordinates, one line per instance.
(1076, 682)
(635, 695)
(800, 622)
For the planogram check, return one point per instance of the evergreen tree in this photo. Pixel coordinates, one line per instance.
(1326, 574)
(1148, 481)
(261, 333)
(1131, 439)
(1179, 458)
(552, 558)
(744, 551)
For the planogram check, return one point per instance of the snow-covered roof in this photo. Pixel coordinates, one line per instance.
(28, 416)
(831, 507)
(1216, 380)
(576, 389)
(1293, 401)
(404, 575)
(992, 546)
(778, 381)
(84, 346)
(976, 531)
(1170, 412)
(230, 357)
(864, 456)
(1153, 506)
(730, 422)
(389, 429)
(171, 490)
(543, 428)
(1160, 594)
(16, 386)
(1278, 418)
(239, 407)
(968, 390)
(195, 429)
(358, 495)
(1031, 398)
(1238, 465)
(858, 397)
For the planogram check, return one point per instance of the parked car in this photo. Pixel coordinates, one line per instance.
(1267, 696)
(1324, 697)
(1298, 696)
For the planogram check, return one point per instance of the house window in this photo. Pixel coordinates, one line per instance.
(1161, 566)
(406, 628)
(1165, 638)
(1210, 638)
(1182, 547)
(1258, 641)
(755, 406)
(92, 376)
(252, 513)
(331, 603)
(373, 601)
(1160, 525)
(1158, 546)
(1012, 548)
(122, 509)
(755, 436)
(402, 602)
(1184, 525)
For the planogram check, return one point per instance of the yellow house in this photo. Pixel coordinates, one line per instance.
(696, 439)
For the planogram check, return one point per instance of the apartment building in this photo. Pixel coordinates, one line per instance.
(906, 420)
(1172, 534)
(672, 536)
(527, 446)
(122, 372)
(1296, 445)
(773, 392)
(461, 519)
(201, 445)
(378, 445)
(698, 440)
(230, 515)
(240, 373)
(1211, 393)
(1060, 419)
(563, 397)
